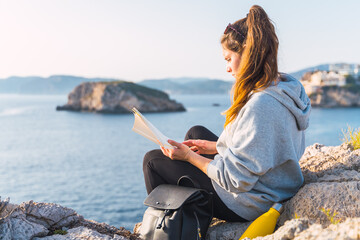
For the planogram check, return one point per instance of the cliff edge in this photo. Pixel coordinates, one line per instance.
(327, 206)
(50, 221)
(118, 97)
(335, 96)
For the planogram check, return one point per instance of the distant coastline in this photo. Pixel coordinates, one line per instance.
(346, 95)
(63, 84)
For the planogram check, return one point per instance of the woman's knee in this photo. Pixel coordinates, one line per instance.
(195, 132)
(149, 156)
(200, 132)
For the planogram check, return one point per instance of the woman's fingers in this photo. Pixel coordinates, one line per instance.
(193, 142)
(195, 149)
(167, 152)
(196, 142)
(174, 143)
(164, 151)
(188, 143)
(180, 151)
(201, 143)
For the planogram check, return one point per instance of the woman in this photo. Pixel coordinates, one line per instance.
(254, 162)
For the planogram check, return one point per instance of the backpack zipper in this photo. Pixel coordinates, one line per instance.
(198, 237)
(166, 213)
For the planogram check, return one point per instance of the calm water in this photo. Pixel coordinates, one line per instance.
(93, 163)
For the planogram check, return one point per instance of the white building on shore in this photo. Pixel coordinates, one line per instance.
(313, 81)
(346, 69)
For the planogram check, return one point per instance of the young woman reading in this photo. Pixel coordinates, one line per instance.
(254, 163)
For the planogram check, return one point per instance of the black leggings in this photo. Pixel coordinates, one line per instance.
(159, 169)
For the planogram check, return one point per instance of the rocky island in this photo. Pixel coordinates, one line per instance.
(335, 96)
(118, 97)
(327, 206)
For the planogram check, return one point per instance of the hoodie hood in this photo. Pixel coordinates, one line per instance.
(291, 93)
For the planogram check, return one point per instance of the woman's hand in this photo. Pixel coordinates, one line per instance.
(180, 151)
(184, 153)
(201, 146)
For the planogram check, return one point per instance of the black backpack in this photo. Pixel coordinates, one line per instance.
(176, 213)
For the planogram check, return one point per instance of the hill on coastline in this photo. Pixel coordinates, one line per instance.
(300, 73)
(189, 85)
(63, 84)
(56, 84)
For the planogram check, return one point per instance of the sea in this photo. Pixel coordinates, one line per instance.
(92, 162)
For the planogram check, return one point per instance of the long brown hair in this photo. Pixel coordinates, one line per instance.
(256, 42)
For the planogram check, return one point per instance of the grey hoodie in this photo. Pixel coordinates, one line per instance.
(258, 160)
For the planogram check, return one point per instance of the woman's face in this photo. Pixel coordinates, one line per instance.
(232, 61)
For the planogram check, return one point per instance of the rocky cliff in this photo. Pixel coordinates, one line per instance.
(334, 96)
(332, 185)
(118, 97)
(50, 221)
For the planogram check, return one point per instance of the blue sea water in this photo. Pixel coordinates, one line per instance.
(93, 162)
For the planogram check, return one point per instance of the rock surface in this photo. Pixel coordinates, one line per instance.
(334, 96)
(118, 97)
(298, 229)
(82, 233)
(32, 220)
(332, 183)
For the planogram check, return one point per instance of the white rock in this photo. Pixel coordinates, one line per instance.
(50, 215)
(19, 228)
(82, 233)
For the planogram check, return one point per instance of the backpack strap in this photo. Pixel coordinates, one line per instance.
(187, 181)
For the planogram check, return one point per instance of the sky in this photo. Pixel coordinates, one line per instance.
(142, 39)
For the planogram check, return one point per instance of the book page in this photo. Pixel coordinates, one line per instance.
(143, 127)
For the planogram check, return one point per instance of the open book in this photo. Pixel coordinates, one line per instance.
(143, 127)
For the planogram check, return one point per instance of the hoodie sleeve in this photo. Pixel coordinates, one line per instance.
(253, 149)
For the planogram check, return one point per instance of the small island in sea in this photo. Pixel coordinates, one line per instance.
(118, 97)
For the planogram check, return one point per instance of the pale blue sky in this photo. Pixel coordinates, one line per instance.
(135, 40)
